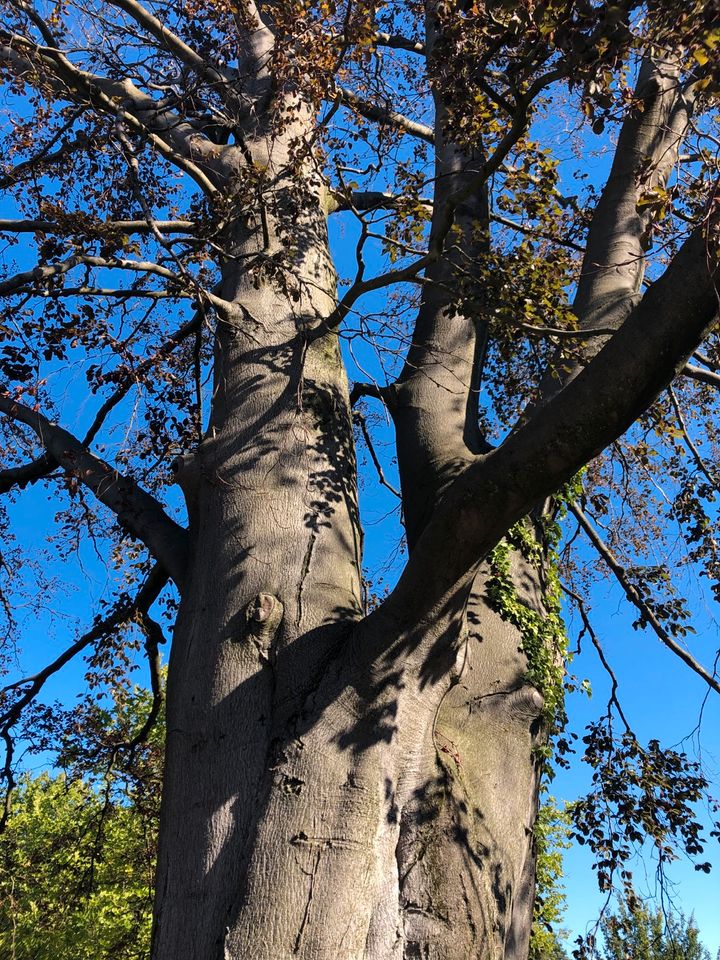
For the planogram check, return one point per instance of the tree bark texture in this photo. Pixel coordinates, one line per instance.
(344, 783)
(335, 787)
(365, 786)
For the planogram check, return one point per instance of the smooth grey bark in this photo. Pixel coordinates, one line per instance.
(620, 233)
(319, 781)
(434, 402)
(341, 784)
(273, 514)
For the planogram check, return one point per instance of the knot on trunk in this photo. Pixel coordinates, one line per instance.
(263, 616)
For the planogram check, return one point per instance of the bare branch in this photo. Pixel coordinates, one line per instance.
(699, 462)
(385, 115)
(26, 473)
(360, 287)
(105, 293)
(367, 390)
(589, 629)
(32, 280)
(43, 155)
(531, 231)
(361, 422)
(91, 228)
(176, 139)
(174, 340)
(706, 361)
(635, 597)
(703, 376)
(397, 42)
(139, 512)
(564, 334)
(170, 41)
(363, 201)
(37, 275)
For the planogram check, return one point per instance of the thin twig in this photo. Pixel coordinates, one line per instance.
(635, 597)
(589, 630)
(362, 423)
(697, 457)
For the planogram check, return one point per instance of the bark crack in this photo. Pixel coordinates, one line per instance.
(305, 569)
(324, 843)
(306, 913)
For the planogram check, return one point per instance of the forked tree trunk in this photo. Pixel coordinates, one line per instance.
(335, 787)
(321, 803)
(342, 786)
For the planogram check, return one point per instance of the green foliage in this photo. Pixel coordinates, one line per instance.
(643, 934)
(544, 639)
(552, 829)
(76, 879)
(77, 858)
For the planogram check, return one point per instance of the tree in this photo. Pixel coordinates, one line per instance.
(646, 934)
(78, 853)
(351, 775)
(552, 830)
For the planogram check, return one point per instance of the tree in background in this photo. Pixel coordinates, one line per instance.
(552, 832)
(77, 857)
(347, 778)
(641, 933)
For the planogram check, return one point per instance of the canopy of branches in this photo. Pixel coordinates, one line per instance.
(578, 145)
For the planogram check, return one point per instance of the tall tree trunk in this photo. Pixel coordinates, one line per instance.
(334, 787)
(275, 577)
(341, 785)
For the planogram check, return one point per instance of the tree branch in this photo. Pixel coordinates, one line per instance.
(29, 280)
(123, 611)
(635, 597)
(530, 231)
(397, 42)
(360, 390)
(499, 488)
(105, 293)
(589, 629)
(37, 469)
(703, 376)
(563, 334)
(699, 462)
(614, 263)
(175, 339)
(43, 156)
(139, 512)
(176, 139)
(92, 228)
(153, 638)
(385, 115)
(26, 473)
(170, 41)
(359, 419)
